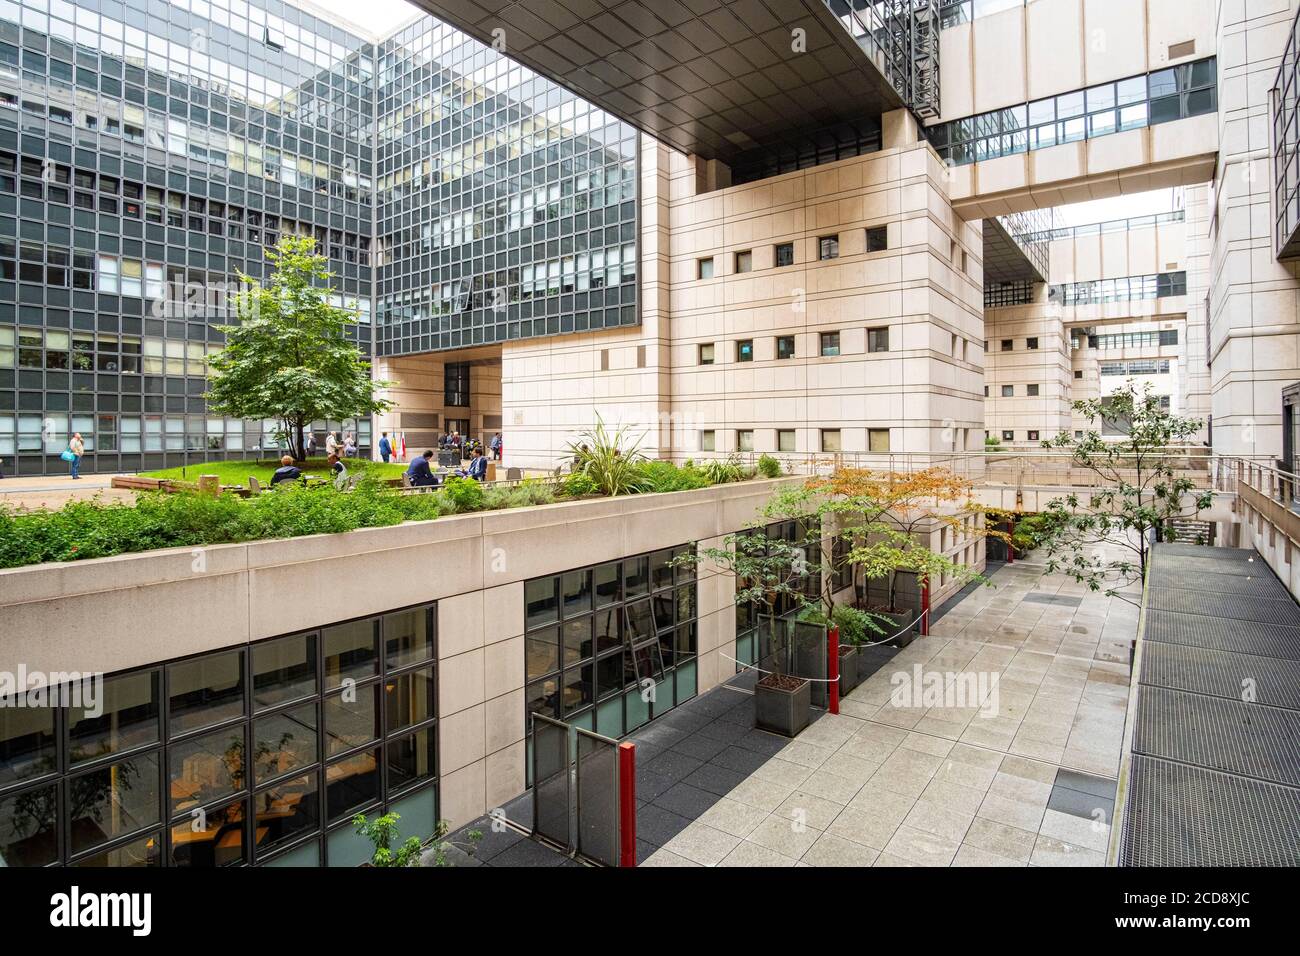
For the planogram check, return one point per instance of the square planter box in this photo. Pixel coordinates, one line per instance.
(849, 676)
(781, 711)
(896, 623)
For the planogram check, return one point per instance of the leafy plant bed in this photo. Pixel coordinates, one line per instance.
(898, 623)
(782, 704)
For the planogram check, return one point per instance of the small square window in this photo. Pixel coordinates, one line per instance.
(704, 268)
(1031, 343)
(878, 340)
(1006, 345)
(831, 440)
(745, 261)
(785, 440)
(1078, 373)
(877, 239)
(1033, 436)
(785, 346)
(1008, 436)
(706, 354)
(830, 344)
(784, 254)
(878, 440)
(1078, 433)
(745, 350)
(745, 439)
(708, 440)
(828, 247)
(1008, 391)
(1031, 390)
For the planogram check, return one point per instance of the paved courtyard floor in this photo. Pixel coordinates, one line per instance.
(1024, 775)
(51, 492)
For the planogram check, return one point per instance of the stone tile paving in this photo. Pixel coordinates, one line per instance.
(942, 785)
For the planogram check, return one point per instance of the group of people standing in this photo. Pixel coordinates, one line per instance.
(345, 447)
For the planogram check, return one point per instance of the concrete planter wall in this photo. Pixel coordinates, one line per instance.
(781, 711)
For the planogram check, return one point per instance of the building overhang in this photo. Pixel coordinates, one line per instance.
(1005, 259)
(713, 78)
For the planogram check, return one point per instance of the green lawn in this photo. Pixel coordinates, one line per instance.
(237, 472)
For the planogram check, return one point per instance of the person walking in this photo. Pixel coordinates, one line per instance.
(332, 443)
(78, 448)
(496, 446)
(385, 448)
(309, 444)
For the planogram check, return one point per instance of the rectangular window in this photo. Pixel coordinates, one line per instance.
(706, 354)
(831, 440)
(1031, 343)
(878, 339)
(1008, 435)
(1033, 436)
(784, 254)
(828, 247)
(878, 440)
(1007, 345)
(704, 268)
(745, 350)
(745, 261)
(745, 440)
(1008, 391)
(1078, 373)
(785, 440)
(877, 238)
(708, 440)
(785, 346)
(1031, 390)
(830, 344)
(455, 384)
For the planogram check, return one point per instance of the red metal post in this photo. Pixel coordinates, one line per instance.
(627, 804)
(833, 668)
(925, 607)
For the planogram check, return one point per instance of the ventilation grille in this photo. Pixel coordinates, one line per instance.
(419, 420)
(1179, 50)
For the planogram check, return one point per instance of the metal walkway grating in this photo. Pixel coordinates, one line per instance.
(1222, 674)
(1177, 815)
(1243, 637)
(1212, 777)
(1230, 606)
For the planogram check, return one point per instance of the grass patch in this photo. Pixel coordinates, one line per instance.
(238, 472)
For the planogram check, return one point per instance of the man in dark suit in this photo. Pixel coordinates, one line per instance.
(419, 472)
(477, 466)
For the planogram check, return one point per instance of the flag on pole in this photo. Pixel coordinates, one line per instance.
(403, 456)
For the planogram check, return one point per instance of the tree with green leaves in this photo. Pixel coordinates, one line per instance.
(289, 358)
(1142, 495)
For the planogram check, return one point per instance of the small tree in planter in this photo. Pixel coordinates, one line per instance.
(382, 832)
(884, 515)
(769, 570)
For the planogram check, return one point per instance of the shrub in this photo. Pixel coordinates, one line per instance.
(856, 627)
(722, 471)
(661, 476)
(611, 459)
(464, 494)
(769, 467)
(579, 485)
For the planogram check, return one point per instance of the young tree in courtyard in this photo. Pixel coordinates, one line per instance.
(1143, 491)
(289, 357)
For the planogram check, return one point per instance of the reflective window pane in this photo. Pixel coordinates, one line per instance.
(285, 811)
(284, 742)
(408, 638)
(26, 742)
(113, 801)
(206, 768)
(410, 760)
(28, 827)
(205, 691)
(284, 670)
(409, 699)
(130, 708)
(351, 651)
(351, 718)
(351, 784)
(217, 838)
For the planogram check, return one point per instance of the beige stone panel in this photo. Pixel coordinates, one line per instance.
(503, 610)
(1177, 21)
(505, 719)
(956, 88)
(504, 775)
(1115, 34)
(503, 667)
(999, 39)
(460, 623)
(1143, 258)
(462, 795)
(1005, 173)
(460, 682)
(1117, 151)
(1055, 47)
(1197, 135)
(461, 739)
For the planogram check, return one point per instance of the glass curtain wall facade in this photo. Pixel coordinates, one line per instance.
(149, 151)
(259, 754)
(507, 206)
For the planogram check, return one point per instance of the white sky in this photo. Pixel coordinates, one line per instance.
(1121, 207)
(377, 17)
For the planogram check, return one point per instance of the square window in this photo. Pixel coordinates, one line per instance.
(1031, 343)
(1031, 390)
(1033, 436)
(785, 346)
(1078, 373)
(706, 354)
(1008, 435)
(704, 268)
(784, 254)
(1006, 345)
(1008, 391)
(785, 440)
(745, 261)
(877, 239)
(745, 439)
(745, 350)
(830, 342)
(828, 247)
(831, 440)
(878, 440)
(878, 339)
(708, 440)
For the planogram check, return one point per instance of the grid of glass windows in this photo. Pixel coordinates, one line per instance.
(1109, 226)
(1134, 340)
(1175, 93)
(507, 207)
(1005, 294)
(1137, 367)
(1160, 286)
(609, 647)
(256, 754)
(148, 152)
(796, 534)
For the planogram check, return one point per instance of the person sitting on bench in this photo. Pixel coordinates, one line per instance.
(420, 474)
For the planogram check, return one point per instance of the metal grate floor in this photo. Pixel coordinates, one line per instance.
(1253, 740)
(1237, 566)
(1222, 674)
(1244, 637)
(1178, 815)
(1231, 606)
(1256, 585)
